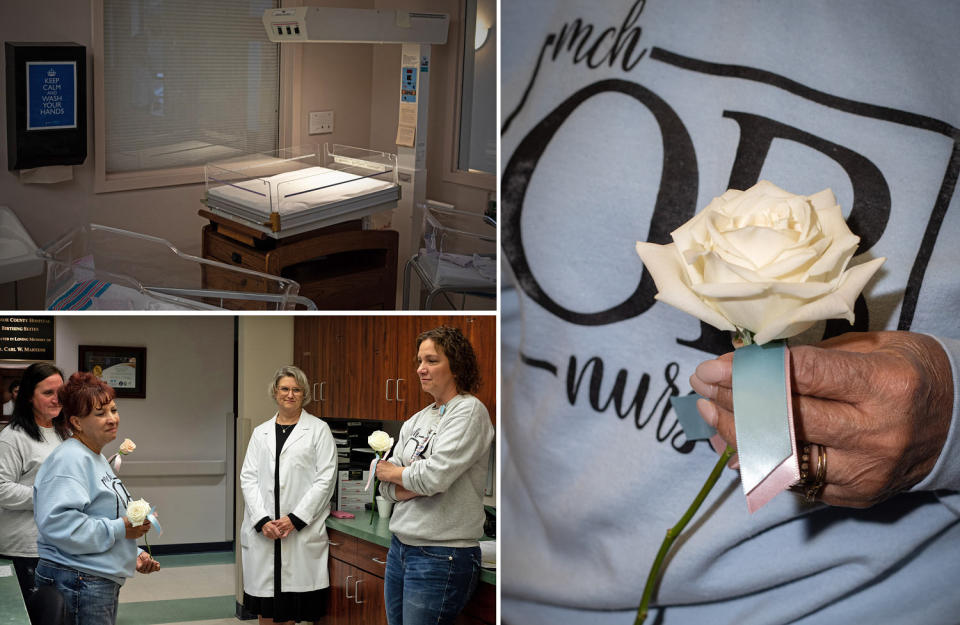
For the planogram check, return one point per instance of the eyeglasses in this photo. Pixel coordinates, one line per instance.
(283, 390)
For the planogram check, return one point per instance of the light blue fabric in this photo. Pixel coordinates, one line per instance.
(79, 504)
(620, 120)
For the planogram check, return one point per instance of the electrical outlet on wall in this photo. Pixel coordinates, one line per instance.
(321, 122)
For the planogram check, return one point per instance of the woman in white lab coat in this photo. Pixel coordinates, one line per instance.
(287, 481)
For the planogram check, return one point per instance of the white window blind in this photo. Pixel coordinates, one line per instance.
(187, 82)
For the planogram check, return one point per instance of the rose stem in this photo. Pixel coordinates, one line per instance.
(674, 531)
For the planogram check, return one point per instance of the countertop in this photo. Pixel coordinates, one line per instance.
(379, 534)
(12, 609)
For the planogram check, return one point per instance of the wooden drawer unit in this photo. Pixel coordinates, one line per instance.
(341, 267)
(219, 247)
(371, 557)
(360, 553)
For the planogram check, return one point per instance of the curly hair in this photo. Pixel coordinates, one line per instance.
(83, 393)
(23, 405)
(458, 350)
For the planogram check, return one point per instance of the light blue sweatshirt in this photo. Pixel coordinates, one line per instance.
(79, 504)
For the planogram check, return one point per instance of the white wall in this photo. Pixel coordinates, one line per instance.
(186, 417)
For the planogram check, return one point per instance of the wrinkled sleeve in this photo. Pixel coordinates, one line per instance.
(59, 504)
(944, 479)
(464, 438)
(13, 495)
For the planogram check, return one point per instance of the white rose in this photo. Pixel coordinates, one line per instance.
(137, 511)
(380, 441)
(127, 446)
(763, 260)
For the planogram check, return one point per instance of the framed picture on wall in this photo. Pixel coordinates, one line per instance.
(123, 368)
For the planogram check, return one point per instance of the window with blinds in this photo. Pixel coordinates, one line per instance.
(186, 82)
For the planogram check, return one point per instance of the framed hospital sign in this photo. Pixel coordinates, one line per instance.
(27, 338)
(123, 368)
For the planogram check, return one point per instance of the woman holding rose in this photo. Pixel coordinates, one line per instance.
(436, 475)
(37, 428)
(287, 479)
(87, 547)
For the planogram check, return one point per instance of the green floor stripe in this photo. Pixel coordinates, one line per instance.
(176, 610)
(197, 559)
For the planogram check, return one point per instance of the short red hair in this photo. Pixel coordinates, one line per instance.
(83, 393)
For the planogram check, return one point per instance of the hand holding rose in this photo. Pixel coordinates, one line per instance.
(136, 531)
(880, 402)
(389, 472)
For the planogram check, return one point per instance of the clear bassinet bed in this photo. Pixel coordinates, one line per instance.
(98, 267)
(299, 189)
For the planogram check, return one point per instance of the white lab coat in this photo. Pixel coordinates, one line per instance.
(308, 468)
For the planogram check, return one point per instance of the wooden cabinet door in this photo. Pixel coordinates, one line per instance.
(317, 350)
(334, 387)
(342, 577)
(482, 332)
(370, 608)
(369, 366)
(307, 354)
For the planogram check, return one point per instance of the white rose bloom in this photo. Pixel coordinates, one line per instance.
(137, 511)
(127, 446)
(380, 441)
(764, 260)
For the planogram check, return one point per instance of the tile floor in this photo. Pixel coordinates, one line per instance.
(192, 589)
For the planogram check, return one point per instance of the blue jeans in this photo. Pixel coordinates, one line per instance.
(428, 585)
(88, 599)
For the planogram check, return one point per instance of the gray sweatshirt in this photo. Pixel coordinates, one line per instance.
(449, 475)
(20, 459)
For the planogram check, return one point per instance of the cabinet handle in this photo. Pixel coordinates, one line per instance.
(313, 391)
(346, 587)
(330, 542)
(399, 380)
(356, 592)
(235, 257)
(378, 561)
(322, 384)
(388, 389)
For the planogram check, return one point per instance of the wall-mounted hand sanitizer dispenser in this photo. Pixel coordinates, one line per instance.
(46, 104)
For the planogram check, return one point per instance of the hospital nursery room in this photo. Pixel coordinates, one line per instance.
(188, 406)
(252, 155)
